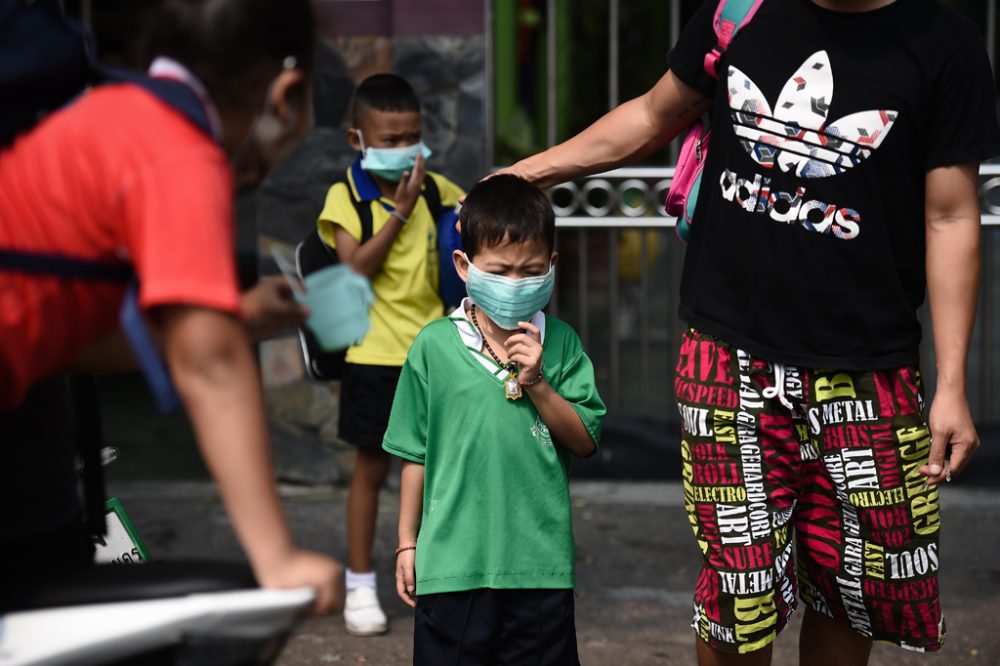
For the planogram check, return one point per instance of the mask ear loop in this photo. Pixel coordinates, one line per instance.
(470, 267)
(361, 140)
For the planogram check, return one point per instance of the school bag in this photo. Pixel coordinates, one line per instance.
(312, 254)
(730, 17)
(44, 62)
(451, 287)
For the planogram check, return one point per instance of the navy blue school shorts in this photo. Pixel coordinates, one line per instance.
(366, 393)
(495, 628)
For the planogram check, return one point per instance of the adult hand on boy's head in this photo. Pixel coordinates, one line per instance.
(513, 170)
(409, 188)
(406, 579)
(525, 349)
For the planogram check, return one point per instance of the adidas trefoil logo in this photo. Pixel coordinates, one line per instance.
(795, 135)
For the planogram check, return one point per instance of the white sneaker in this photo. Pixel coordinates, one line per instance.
(363, 615)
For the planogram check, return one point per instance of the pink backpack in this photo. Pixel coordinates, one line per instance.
(730, 17)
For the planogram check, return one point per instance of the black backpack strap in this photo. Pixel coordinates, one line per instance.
(432, 195)
(364, 210)
(38, 263)
(312, 259)
(178, 95)
(313, 254)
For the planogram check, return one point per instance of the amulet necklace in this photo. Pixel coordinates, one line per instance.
(512, 388)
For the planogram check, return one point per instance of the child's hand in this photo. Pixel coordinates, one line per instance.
(406, 579)
(525, 349)
(409, 187)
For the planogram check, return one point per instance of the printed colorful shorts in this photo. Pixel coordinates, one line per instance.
(828, 459)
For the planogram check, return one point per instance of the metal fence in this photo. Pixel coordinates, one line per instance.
(619, 282)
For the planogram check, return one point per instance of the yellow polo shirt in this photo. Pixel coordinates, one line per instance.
(406, 286)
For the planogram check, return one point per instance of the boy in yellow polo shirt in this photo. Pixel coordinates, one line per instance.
(379, 222)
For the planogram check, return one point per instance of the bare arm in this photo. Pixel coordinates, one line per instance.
(268, 307)
(564, 424)
(215, 375)
(411, 505)
(625, 134)
(367, 258)
(953, 259)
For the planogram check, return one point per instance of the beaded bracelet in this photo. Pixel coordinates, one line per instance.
(402, 548)
(540, 377)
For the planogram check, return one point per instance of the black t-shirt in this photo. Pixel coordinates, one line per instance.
(808, 241)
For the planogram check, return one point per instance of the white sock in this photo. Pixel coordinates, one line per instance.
(356, 580)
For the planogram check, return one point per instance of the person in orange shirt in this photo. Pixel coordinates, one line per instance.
(120, 177)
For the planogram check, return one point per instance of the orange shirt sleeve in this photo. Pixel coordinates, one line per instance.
(180, 218)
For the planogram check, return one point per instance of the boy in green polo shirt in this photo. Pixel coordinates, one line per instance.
(379, 221)
(491, 404)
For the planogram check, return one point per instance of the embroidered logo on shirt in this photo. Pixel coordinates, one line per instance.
(540, 431)
(796, 135)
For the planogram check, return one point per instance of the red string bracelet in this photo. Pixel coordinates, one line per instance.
(402, 548)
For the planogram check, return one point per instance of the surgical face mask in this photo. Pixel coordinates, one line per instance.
(508, 301)
(391, 163)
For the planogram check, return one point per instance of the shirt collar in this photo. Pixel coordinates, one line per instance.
(470, 335)
(364, 186)
(163, 67)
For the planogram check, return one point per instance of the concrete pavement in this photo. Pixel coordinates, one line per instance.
(636, 558)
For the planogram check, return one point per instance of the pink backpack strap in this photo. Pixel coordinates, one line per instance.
(730, 17)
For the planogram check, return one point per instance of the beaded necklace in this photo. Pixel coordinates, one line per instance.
(512, 388)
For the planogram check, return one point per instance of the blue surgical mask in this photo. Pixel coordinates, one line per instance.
(508, 301)
(391, 163)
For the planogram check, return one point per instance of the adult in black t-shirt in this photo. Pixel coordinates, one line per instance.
(841, 185)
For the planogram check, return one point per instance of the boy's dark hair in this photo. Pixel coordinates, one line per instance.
(225, 43)
(509, 209)
(383, 92)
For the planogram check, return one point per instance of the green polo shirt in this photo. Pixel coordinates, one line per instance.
(496, 510)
